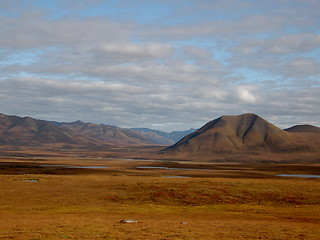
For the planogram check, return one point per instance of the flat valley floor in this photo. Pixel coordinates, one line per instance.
(85, 196)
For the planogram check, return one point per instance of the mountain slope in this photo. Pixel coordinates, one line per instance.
(109, 134)
(162, 137)
(242, 133)
(307, 136)
(303, 128)
(16, 130)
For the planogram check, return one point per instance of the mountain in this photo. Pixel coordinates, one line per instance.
(16, 130)
(246, 133)
(109, 134)
(243, 133)
(306, 135)
(162, 137)
(303, 128)
(177, 135)
(156, 135)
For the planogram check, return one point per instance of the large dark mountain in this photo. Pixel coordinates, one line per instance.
(244, 133)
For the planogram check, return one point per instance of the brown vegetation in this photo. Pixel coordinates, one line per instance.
(65, 189)
(41, 199)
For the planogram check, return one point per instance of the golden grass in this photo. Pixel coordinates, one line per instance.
(90, 206)
(229, 201)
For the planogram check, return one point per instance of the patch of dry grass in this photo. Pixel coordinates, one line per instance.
(89, 206)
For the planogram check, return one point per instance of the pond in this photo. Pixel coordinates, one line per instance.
(29, 180)
(298, 175)
(175, 177)
(69, 166)
(170, 168)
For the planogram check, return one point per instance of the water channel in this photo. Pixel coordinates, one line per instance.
(170, 168)
(298, 175)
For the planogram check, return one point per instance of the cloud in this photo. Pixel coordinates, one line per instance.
(244, 94)
(153, 50)
(283, 45)
(126, 105)
(293, 44)
(216, 29)
(202, 60)
(301, 67)
(35, 32)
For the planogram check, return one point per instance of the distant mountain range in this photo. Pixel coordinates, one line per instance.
(167, 138)
(247, 133)
(28, 131)
(16, 130)
(228, 134)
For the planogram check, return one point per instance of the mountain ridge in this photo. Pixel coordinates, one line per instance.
(107, 133)
(15, 130)
(174, 136)
(241, 133)
(303, 128)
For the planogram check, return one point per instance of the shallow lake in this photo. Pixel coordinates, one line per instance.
(298, 175)
(29, 180)
(169, 168)
(175, 177)
(69, 166)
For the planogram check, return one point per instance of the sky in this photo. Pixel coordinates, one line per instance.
(161, 64)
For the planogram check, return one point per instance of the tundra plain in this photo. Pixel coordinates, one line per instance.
(52, 195)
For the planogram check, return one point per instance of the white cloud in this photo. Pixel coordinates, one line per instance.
(283, 45)
(205, 59)
(301, 67)
(154, 50)
(126, 105)
(34, 32)
(294, 43)
(244, 94)
(196, 53)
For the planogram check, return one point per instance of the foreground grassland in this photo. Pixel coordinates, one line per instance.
(55, 203)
